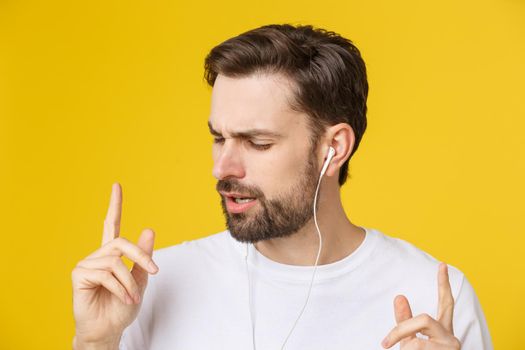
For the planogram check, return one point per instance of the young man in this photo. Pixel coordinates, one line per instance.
(288, 104)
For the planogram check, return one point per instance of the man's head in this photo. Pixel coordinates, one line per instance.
(281, 96)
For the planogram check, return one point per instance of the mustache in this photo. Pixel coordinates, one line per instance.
(235, 186)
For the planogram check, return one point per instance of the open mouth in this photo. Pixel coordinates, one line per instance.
(239, 204)
(242, 200)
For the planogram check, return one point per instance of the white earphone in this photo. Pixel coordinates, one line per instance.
(331, 152)
(329, 156)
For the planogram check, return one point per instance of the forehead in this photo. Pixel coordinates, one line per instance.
(255, 101)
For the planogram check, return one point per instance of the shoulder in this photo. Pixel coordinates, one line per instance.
(405, 260)
(216, 248)
(215, 242)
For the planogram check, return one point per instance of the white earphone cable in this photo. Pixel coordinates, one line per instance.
(249, 298)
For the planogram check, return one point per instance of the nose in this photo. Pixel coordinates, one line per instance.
(227, 162)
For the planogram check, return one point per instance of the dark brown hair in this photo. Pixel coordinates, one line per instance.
(327, 71)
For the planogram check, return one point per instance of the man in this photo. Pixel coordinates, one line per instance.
(282, 275)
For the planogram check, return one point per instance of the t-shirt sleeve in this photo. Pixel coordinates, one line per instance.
(137, 335)
(469, 323)
(132, 337)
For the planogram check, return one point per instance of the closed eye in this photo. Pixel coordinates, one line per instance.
(257, 146)
(260, 146)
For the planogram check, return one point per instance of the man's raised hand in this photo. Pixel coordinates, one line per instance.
(106, 294)
(440, 332)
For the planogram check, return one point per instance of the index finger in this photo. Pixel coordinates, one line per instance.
(112, 220)
(446, 300)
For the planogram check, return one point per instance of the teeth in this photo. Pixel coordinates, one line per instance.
(243, 200)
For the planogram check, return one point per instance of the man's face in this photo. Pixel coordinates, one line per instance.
(261, 153)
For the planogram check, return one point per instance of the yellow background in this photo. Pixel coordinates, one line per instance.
(102, 91)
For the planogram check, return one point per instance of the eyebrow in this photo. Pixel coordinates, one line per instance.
(246, 134)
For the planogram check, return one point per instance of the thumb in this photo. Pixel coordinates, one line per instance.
(402, 312)
(145, 242)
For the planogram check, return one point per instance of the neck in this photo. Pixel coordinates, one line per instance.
(340, 236)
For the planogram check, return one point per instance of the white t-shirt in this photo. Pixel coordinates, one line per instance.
(199, 298)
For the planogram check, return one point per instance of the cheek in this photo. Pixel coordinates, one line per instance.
(274, 173)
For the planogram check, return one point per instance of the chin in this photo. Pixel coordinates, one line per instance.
(244, 238)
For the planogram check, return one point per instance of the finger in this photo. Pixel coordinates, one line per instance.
(145, 242)
(121, 246)
(402, 313)
(446, 300)
(115, 265)
(420, 324)
(112, 220)
(88, 278)
(402, 308)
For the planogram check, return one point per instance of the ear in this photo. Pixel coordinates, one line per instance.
(342, 138)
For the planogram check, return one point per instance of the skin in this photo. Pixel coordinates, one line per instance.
(107, 296)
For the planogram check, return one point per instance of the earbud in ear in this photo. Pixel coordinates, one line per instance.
(329, 156)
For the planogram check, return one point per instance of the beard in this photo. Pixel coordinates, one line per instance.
(277, 217)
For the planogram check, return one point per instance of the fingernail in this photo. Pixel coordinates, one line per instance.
(136, 297)
(152, 267)
(385, 342)
(129, 301)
